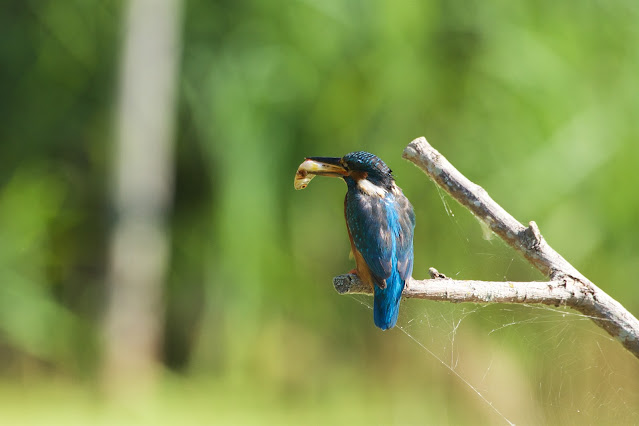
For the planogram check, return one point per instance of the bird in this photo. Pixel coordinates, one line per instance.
(380, 222)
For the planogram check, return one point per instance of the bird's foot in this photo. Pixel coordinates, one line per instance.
(353, 271)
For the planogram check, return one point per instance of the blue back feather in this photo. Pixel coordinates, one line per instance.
(386, 300)
(382, 231)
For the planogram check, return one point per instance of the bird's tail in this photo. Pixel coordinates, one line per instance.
(386, 301)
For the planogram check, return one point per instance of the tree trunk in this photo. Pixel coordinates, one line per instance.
(142, 193)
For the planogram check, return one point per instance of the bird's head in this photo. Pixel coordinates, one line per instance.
(353, 168)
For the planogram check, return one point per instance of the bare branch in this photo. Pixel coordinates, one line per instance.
(568, 292)
(567, 286)
(527, 240)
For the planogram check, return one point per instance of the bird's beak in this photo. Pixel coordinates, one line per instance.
(318, 166)
(324, 166)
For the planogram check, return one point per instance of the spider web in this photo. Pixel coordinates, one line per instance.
(524, 364)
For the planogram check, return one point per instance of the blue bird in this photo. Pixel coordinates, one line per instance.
(380, 222)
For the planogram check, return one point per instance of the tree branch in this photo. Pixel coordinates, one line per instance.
(567, 287)
(556, 293)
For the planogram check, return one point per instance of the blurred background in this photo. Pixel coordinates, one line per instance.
(157, 267)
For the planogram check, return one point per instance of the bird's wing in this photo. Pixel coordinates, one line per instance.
(368, 222)
(406, 220)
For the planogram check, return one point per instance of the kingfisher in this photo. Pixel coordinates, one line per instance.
(380, 223)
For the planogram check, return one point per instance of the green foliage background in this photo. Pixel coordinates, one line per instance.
(535, 101)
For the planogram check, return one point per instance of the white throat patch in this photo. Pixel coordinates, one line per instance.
(370, 188)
